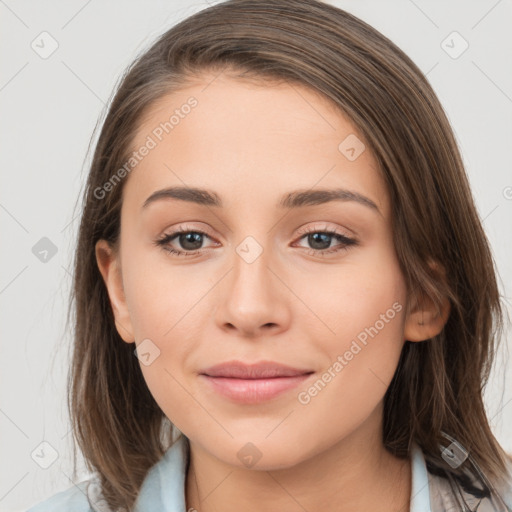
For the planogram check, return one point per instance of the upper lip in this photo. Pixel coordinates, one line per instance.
(260, 370)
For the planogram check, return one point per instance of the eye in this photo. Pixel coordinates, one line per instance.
(190, 240)
(320, 240)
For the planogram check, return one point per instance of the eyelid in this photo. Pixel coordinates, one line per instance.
(325, 226)
(170, 235)
(309, 228)
(346, 242)
(185, 228)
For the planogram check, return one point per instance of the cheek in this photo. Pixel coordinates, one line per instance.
(363, 305)
(362, 358)
(161, 295)
(364, 290)
(162, 315)
(164, 304)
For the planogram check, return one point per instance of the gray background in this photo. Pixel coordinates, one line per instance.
(49, 107)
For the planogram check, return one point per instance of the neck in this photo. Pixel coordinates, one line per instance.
(356, 473)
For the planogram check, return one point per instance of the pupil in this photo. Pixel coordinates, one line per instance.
(317, 238)
(193, 238)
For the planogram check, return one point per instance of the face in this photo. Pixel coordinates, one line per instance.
(269, 269)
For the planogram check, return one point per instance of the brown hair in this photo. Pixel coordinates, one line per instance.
(438, 384)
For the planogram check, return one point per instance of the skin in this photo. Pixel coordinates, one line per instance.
(252, 144)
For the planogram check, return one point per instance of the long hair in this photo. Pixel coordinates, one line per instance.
(438, 384)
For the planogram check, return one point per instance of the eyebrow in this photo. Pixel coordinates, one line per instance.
(294, 199)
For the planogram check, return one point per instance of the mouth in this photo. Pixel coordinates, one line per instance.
(253, 383)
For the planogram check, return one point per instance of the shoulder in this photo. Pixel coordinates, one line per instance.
(82, 497)
(504, 489)
(446, 491)
(163, 486)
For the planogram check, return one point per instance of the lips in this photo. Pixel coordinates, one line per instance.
(261, 370)
(253, 383)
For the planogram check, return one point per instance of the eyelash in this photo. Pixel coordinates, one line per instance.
(346, 242)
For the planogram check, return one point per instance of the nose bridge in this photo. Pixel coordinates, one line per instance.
(253, 296)
(251, 277)
(251, 263)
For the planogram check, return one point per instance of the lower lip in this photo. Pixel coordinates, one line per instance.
(252, 391)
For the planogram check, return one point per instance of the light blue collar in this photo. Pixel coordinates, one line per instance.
(420, 488)
(163, 489)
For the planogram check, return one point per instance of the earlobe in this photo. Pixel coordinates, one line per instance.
(427, 318)
(109, 267)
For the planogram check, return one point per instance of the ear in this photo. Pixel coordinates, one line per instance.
(426, 319)
(109, 266)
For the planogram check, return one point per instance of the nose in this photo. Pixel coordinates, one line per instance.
(254, 298)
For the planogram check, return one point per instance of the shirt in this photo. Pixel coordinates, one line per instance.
(163, 489)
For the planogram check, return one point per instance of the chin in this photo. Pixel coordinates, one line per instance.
(263, 454)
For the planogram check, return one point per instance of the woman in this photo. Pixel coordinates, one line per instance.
(324, 340)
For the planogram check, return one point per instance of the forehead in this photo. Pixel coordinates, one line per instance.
(235, 136)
